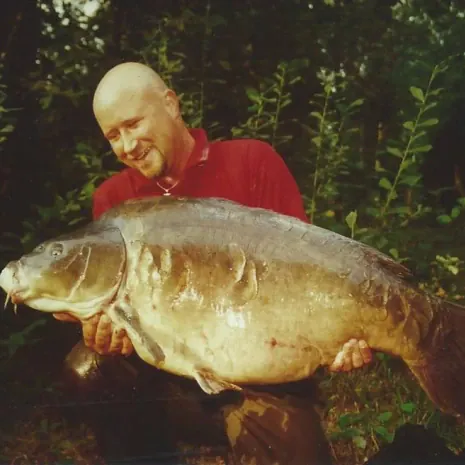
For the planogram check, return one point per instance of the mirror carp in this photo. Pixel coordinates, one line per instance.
(230, 295)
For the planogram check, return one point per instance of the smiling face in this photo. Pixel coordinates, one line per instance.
(140, 118)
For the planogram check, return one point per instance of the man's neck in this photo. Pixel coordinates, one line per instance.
(183, 150)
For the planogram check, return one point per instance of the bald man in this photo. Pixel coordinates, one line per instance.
(141, 119)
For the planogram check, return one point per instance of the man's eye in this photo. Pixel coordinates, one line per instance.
(133, 124)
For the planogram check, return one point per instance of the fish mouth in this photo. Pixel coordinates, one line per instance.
(11, 283)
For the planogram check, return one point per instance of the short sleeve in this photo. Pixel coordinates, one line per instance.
(271, 183)
(100, 203)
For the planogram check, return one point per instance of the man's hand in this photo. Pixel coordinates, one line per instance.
(99, 335)
(354, 354)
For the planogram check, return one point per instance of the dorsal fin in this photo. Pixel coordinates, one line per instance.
(388, 263)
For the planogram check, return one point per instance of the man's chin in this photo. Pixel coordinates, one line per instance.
(150, 170)
(150, 174)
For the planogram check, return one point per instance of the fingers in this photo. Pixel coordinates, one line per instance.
(117, 341)
(103, 335)
(338, 362)
(367, 355)
(355, 358)
(354, 354)
(65, 317)
(128, 348)
(100, 336)
(89, 330)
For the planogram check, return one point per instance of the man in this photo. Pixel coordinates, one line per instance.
(141, 118)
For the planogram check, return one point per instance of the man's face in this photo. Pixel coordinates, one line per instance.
(141, 127)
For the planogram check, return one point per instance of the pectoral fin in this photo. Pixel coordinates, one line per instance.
(125, 316)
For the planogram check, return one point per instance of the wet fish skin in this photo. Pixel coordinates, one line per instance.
(230, 295)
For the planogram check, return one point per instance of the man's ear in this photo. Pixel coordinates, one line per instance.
(172, 103)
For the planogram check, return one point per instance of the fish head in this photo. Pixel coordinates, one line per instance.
(76, 273)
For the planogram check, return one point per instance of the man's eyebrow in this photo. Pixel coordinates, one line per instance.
(122, 123)
(108, 133)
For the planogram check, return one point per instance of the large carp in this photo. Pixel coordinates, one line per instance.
(231, 295)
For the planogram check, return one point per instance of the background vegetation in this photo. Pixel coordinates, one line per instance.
(364, 99)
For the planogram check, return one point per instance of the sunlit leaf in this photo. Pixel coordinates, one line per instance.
(411, 181)
(385, 183)
(351, 219)
(317, 141)
(384, 433)
(453, 269)
(408, 407)
(7, 129)
(347, 419)
(252, 94)
(418, 134)
(360, 442)
(406, 163)
(430, 105)
(424, 148)
(444, 219)
(385, 416)
(395, 151)
(455, 212)
(225, 64)
(436, 92)
(417, 93)
(395, 254)
(356, 103)
(401, 210)
(429, 122)
(409, 125)
(378, 167)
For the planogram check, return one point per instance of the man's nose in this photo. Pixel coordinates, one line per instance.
(129, 145)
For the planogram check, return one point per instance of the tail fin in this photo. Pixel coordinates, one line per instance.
(441, 373)
(270, 430)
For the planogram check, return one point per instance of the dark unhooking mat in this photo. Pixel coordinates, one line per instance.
(132, 413)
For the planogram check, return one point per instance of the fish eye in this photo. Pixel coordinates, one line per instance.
(40, 248)
(56, 250)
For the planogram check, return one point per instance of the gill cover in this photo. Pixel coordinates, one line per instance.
(79, 271)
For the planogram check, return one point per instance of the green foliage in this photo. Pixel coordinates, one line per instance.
(19, 339)
(412, 146)
(363, 415)
(268, 102)
(6, 122)
(331, 140)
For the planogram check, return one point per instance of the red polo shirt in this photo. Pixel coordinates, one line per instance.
(246, 171)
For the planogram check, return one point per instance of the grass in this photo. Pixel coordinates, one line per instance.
(364, 408)
(45, 438)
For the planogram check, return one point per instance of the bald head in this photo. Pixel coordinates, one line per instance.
(140, 117)
(128, 79)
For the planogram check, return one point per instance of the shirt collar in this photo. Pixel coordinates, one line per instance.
(199, 154)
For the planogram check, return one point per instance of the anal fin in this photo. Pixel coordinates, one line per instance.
(211, 384)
